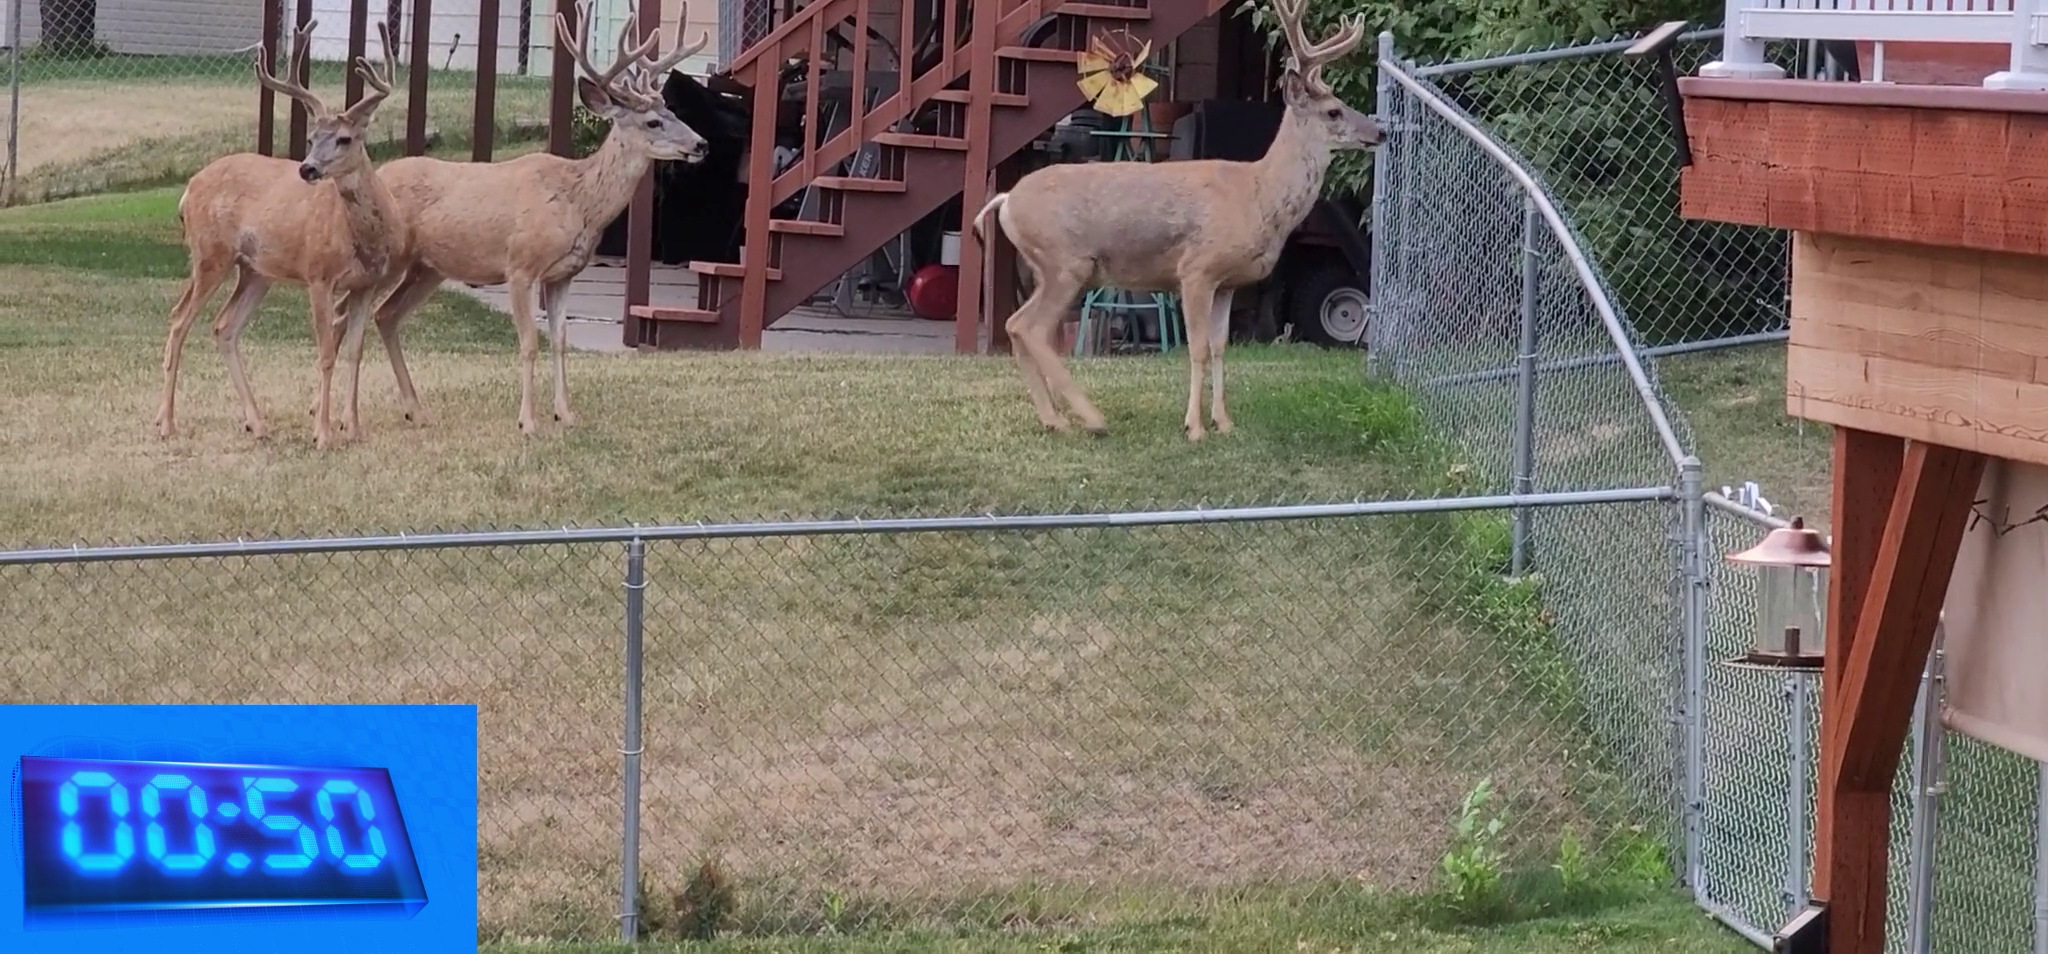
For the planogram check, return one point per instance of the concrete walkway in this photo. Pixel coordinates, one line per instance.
(597, 300)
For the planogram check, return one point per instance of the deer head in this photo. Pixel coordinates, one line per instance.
(1308, 97)
(629, 92)
(334, 147)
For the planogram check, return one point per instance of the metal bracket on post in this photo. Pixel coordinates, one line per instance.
(629, 886)
(1806, 933)
(1692, 496)
(1657, 43)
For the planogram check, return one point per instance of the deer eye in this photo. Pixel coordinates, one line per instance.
(1335, 113)
(343, 140)
(654, 124)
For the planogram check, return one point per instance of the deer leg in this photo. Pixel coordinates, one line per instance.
(521, 288)
(206, 277)
(1058, 293)
(417, 287)
(1019, 326)
(1197, 300)
(327, 334)
(356, 307)
(1219, 335)
(554, 299)
(227, 333)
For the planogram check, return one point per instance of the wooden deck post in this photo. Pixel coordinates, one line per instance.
(297, 147)
(562, 86)
(358, 44)
(760, 193)
(266, 101)
(420, 56)
(484, 123)
(640, 211)
(1871, 682)
(981, 91)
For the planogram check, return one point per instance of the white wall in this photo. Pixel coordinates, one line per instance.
(151, 27)
(453, 32)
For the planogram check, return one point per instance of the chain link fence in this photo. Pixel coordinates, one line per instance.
(1590, 124)
(1529, 266)
(866, 725)
(103, 96)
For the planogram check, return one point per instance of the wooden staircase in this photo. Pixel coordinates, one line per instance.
(1007, 77)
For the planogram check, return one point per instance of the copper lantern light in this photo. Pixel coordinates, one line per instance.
(1792, 598)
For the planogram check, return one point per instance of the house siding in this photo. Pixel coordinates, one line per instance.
(164, 27)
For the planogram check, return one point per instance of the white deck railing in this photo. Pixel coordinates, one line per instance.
(2020, 24)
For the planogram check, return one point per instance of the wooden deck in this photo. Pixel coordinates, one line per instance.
(596, 302)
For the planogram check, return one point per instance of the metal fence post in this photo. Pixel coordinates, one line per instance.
(1692, 496)
(629, 887)
(1382, 111)
(1796, 689)
(1525, 388)
(13, 101)
(1927, 775)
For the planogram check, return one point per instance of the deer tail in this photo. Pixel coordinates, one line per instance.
(994, 202)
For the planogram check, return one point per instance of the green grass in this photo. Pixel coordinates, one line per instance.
(1337, 921)
(1735, 402)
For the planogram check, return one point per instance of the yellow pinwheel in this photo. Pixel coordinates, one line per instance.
(1112, 74)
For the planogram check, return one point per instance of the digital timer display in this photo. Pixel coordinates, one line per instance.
(104, 837)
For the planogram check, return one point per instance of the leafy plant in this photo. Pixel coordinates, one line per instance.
(706, 904)
(1573, 867)
(1475, 863)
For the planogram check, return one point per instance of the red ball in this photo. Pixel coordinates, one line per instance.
(934, 292)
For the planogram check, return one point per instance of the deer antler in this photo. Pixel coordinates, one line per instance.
(643, 83)
(579, 42)
(379, 81)
(1310, 58)
(302, 45)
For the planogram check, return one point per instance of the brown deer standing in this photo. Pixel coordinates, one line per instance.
(1199, 227)
(326, 223)
(535, 220)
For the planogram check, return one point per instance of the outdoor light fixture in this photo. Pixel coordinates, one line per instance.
(1792, 597)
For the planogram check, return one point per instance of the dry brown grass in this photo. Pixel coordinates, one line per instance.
(889, 719)
(83, 135)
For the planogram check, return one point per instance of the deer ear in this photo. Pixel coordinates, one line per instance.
(1293, 88)
(594, 97)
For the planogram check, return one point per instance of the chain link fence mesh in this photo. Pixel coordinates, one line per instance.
(990, 728)
(528, 635)
(125, 95)
(1591, 125)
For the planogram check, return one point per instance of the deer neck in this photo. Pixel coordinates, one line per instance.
(1291, 173)
(606, 178)
(370, 214)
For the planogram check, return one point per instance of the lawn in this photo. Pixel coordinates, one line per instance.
(85, 128)
(1113, 738)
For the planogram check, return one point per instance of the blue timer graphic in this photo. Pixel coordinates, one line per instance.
(110, 837)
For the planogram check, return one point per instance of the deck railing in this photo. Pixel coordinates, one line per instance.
(2020, 24)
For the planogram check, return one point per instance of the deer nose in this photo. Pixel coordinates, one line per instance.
(309, 172)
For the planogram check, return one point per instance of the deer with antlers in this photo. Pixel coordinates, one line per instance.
(1202, 228)
(326, 223)
(535, 220)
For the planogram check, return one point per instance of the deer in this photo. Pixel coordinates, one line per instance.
(1202, 228)
(535, 220)
(326, 222)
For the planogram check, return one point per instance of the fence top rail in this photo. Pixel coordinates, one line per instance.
(814, 528)
(1610, 318)
(1718, 502)
(1531, 57)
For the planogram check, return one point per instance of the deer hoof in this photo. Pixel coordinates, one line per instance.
(565, 418)
(1194, 433)
(527, 425)
(1224, 426)
(1099, 430)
